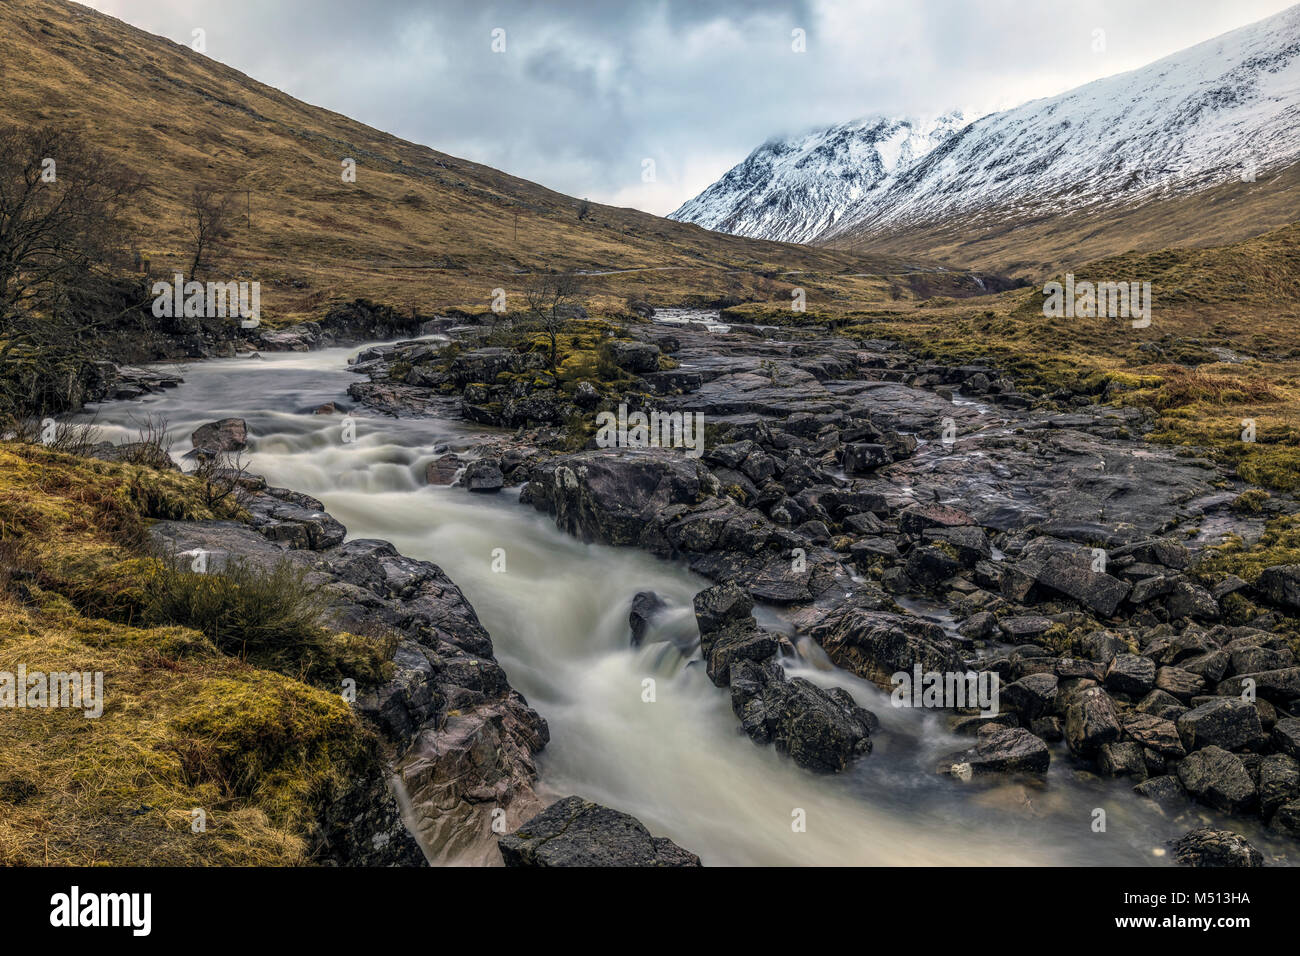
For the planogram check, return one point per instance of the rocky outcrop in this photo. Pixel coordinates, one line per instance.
(460, 741)
(577, 832)
(821, 730)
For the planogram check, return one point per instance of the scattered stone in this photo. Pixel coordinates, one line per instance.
(1207, 846)
(483, 476)
(999, 750)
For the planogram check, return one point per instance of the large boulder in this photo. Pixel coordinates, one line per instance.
(1227, 722)
(1219, 779)
(633, 356)
(226, 435)
(577, 832)
(821, 730)
(876, 645)
(615, 496)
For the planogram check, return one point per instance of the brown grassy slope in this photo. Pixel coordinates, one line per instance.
(418, 227)
(1038, 246)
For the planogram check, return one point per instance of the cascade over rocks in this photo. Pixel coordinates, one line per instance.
(842, 482)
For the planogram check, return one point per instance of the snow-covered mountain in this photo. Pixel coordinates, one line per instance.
(797, 187)
(1203, 116)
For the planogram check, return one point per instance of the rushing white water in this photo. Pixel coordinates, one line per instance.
(558, 619)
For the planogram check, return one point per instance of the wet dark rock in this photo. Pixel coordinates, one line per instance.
(1048, 728)
(1286, 819)
(821, 730)
(1282, 686)
(645, 605)
(1130, 675)
(723, 649)
(1219, 779)
(1286, 736)
(722, 605)
(862, 458)
(878, 644)
(1179, 683)
(1162, 551)
(577, 832)
(1225, 722)
(1090, 721)
(633, 356)
(296, 520)
(916, 518)
(1279, 782)
(1166, 792)
(1280, 585)
(979, 626)
(1024, 626)
(1207, 846)
(618, 497)
(1100, 592)
(968, 544)
(929, 566)
(1102, 646)
(1190, 600)
(1033, 696)
(999, 750)
(1121, 758)
(483, 476)
(1156, 733)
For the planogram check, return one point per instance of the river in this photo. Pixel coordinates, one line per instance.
(558, 618)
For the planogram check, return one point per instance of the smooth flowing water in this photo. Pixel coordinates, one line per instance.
(558, 619)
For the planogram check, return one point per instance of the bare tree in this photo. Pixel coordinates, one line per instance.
(551, 300)
(210, 213)
(62, 205)
(62, 223)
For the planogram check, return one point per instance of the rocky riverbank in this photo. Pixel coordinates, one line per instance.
(850, 484)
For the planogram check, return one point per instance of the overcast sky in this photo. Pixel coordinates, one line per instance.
(585, 91)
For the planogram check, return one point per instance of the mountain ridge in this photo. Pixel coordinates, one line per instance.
(1223, 111)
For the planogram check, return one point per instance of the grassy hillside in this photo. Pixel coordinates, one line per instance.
(184, 725)
(418, 228)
